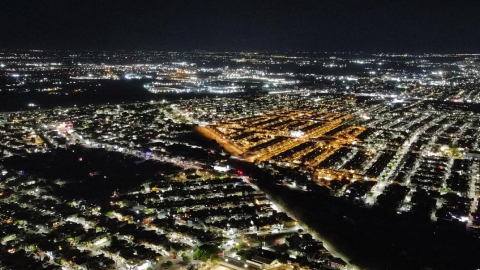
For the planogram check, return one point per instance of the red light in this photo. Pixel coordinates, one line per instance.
(276, 240)
(149, 137)
(240, 172)
(219, 254)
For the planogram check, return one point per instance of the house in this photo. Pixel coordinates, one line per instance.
(288, 222)
(264, 259)
(293, 241)
(473, 155)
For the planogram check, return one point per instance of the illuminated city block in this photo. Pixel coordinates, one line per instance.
(289, 138)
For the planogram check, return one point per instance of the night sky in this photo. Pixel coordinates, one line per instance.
(321, 25)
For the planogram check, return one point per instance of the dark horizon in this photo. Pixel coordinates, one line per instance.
(344, 25)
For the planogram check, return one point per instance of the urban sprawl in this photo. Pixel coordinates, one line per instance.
(188, 175)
